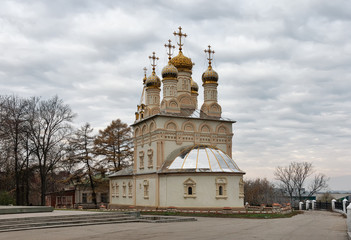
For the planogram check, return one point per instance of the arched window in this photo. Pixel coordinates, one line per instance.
(221, 188)
(189, 188)
(190, 191)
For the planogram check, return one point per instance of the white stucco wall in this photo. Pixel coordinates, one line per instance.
(122, 200)
(172, 191)
(140, 199)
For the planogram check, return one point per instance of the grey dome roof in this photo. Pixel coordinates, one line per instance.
(202, 158)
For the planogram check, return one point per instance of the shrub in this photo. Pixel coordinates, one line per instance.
(6, 198)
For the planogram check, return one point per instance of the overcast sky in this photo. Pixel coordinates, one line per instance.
(284, 68)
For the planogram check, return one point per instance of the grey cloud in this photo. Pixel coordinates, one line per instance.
(284, 67)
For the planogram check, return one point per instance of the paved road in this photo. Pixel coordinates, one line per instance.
(308, 226)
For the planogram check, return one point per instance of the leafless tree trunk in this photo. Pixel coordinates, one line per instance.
(82, 144)
(285, 176)
(49, 124)
(14, 111)
(301, 171)
(319, 182)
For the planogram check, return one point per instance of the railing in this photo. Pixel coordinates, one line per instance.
(319, 205)
(339, 205)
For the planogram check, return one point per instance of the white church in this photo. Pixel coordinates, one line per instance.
(182, 154)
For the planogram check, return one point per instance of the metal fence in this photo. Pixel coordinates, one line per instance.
(339, 205)
(323, 205)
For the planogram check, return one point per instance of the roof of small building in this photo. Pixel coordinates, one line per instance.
(124, 172)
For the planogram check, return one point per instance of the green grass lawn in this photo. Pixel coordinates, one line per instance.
(238, 215)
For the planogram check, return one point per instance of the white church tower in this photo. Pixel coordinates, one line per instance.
(182, 155)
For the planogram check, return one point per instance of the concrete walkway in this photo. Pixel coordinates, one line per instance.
(308, 226)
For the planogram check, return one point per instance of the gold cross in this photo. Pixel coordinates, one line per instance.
(145, 69)
(169, 46)
(180, 34)
(154, 59)
(209, 51)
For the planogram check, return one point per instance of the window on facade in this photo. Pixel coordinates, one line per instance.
(117, 190)
(146, 189)
(220, 190)
(190, 191)
(150, 155)
(113, 190)
(141, 160)
(221, 187)
(84, 198)
(130, 189)
(189, 188)
(124, 189)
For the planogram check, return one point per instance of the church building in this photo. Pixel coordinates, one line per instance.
(182, 154)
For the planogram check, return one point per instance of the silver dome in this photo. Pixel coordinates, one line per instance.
(202, 158)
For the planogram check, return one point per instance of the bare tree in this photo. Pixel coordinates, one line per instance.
(14, 111)
(293, 179)
(319, 182)
(82, 144)
(114, 145)
(49, 127)
(301, 171)
(285, 176)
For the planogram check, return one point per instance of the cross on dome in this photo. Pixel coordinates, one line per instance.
(145, 69)
(180, 34)
(153, 58)
(209, 51)
(169, 46)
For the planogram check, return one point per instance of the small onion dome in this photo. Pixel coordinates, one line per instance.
(144, 80)
(194, 87)
(182, 62)
(209, 76)
(153, 81)
(169, 71)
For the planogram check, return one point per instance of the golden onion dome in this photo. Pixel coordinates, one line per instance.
(182, 62)
(194, 86)
(209, 76)
(153, 81)
(169, 71)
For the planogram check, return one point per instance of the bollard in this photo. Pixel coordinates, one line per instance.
(307, 204)
(344, 205)
(349, 218)
(333, 205)
(313, 204)
(300, 205)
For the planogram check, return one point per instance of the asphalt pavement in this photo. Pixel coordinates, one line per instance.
(311, 225)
